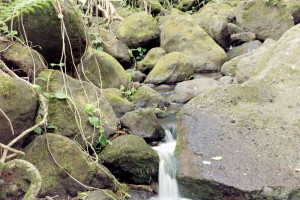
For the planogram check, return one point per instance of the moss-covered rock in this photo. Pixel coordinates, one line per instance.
(180, 33)
(150, 60)
(112, 46)
(69, 115)
(98, 195)
(43, 29)
(19, 102)
(147, 97)
(293, 6)
(24, 61)
(57, 158)
(102, 70)
(138, 30)
(171, 68)
(131, 160)
(265, 19)
(143, 123)
(120, 105)
(243, 48)
(214, 18)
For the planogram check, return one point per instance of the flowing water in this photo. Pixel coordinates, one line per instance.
(168, 187)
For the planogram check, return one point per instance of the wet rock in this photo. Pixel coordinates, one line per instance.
(147, 97)
(150, 60)
(250, 128)
(140, 192)
(181, 34)
(80, 94)
(106, 72)
(113, 46)
(138, 30)
(196, 86)
(19, 102)
(24, 61)
(69, 158)
(131, 160)
(143, 123)
(265, 19)
(43, 29)
(242, 49)
(171, 68)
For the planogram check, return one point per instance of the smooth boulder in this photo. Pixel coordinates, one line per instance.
(171, 68)
(181, 34)
(130, 159)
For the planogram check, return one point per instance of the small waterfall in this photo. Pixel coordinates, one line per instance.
(168, 187)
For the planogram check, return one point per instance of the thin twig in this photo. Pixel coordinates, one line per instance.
(9, 122)
(11, 149)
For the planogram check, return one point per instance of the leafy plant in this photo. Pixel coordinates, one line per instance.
(138, 53)
(95, 122)
(131, 90)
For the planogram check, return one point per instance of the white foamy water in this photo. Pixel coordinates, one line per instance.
(168, 187)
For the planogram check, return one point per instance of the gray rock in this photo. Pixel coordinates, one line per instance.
(233, 28)
(102, 70)
(130, 159)
(113, 46)
(226, 80)
(242, 49)
(263, 18)
(242, 37)
(143, 123)
(252, 126)
(98, 195)
(171, 68)
(138, 30)
(19, 102)
(196, 86)
(248, 63)
(182, 98)
(150, 60)
(147, 97)
(71, 159)
(180, 33)
(293, 6)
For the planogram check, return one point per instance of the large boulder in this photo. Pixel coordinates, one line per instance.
(23, 60)
(18, 104)
(180, 33)
(171, 68)
(64, 167)
(243, 48)
(150, 60)
(43, 29)
(214, 18)
(293, 7)
(102, 70)
(138, 30)
(143, 123)
(241, 141)
(69, 115)
(264, 18)
(130, 159)
(112, 46)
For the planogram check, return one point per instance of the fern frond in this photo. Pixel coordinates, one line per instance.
(10, 9)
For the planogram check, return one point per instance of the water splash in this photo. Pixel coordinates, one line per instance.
(168, 187)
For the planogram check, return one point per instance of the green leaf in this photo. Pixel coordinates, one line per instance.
(38, 130)
(122, 88)
(60, 95)
(101, 129)
(89, 109)
(60, 16)
(99, 48)
(94, 121)
(102, 141)
(52, 127)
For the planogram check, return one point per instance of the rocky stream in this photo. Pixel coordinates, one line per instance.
(158, 100)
